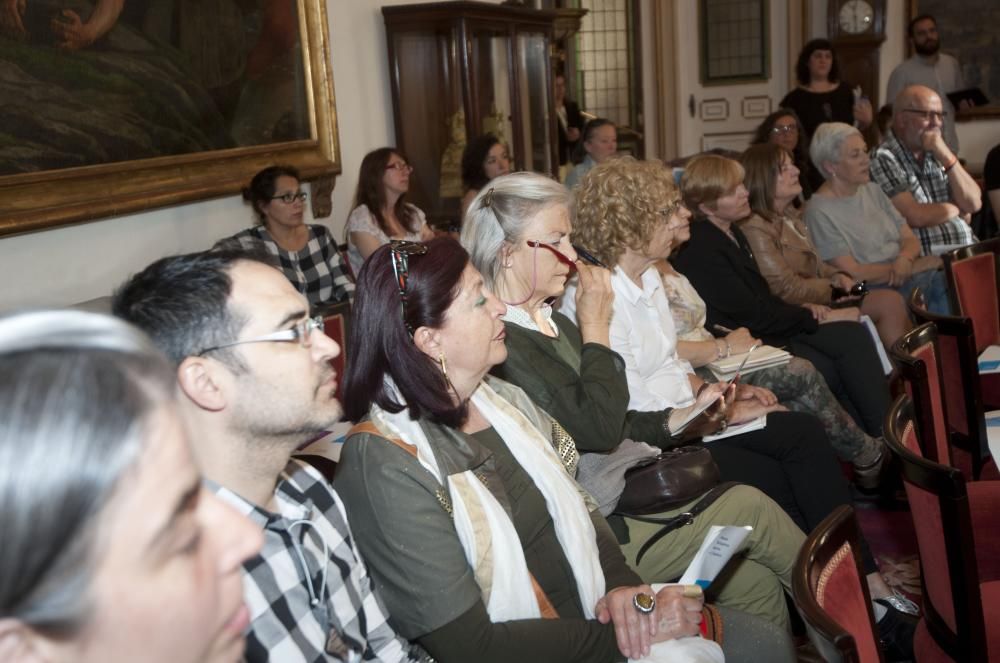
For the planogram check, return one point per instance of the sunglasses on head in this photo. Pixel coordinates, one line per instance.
(400, 252)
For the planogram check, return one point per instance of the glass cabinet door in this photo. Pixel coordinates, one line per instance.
(489, 58)
(431, 118)
(536, 139)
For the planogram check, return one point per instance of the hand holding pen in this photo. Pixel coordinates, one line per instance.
(740, 340)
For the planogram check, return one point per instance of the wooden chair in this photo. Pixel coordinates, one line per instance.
(965, 415)
(973, 274)
(830, 590)
(915, 354)
(959, 544)
(336, 325)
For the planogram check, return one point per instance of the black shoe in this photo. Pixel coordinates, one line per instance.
(895, 631)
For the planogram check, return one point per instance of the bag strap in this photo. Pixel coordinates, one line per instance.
(545, 607)
(681, 519)
(369, 427)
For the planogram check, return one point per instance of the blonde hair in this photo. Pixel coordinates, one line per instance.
(706, 179)
(618, 206)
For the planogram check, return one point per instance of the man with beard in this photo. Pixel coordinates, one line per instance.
(922, 176)
(254, 370)
(930, 68)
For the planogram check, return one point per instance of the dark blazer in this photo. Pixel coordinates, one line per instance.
(574, 119)
(735, 293)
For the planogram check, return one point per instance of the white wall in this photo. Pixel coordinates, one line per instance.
(735, 131)
(76, 263)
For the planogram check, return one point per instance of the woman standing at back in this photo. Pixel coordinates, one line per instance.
(822, 97)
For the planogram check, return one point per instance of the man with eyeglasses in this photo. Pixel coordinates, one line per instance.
(930, 68)
(922, 176)
(257, 383)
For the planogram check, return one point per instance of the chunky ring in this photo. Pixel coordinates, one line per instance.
(644, 603)
(723, 426)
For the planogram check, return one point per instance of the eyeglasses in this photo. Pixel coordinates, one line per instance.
(400, 251)
(400, 166)
(928, 115)
(289, 198)
(665, 213)
(492, 161)
(560, 256)
(300, 333)
(784, 128)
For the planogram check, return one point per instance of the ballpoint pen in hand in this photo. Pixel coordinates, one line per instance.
(588, 256)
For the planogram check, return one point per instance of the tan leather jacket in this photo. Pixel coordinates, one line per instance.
(788, 260)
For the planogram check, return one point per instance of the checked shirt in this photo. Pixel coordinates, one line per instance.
(895, 169)
(317, 271)
(328, 613)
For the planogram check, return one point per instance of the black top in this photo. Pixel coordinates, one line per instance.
(574, 119)
(991, 170)
(726, 276)
(815, 108)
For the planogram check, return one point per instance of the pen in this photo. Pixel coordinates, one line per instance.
(587, 256)
(724, 330)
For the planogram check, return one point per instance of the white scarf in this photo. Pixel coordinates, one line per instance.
(491, 544)
(488, 537)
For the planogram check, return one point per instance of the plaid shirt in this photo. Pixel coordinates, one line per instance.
(895, 169)
(348, 623)
(317, 271)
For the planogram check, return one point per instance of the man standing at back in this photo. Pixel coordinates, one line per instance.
(930, 68)
(256, 379)
(922, 176)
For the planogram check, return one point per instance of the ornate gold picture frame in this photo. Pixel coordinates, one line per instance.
(31, 201)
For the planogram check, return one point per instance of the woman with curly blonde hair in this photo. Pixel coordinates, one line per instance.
(612, 217)
(629, 215)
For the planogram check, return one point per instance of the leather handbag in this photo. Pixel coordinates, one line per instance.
(667, 480)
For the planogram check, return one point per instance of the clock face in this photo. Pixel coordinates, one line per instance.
(856, 17)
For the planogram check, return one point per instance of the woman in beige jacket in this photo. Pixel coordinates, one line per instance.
(785, 254)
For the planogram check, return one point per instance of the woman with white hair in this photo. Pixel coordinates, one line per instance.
(517, 232)
(112, 549)
(856, 228)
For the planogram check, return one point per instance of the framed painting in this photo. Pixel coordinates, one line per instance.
(113, 107)
(973, 42)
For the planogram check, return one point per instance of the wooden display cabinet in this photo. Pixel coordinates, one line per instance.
(461, 69)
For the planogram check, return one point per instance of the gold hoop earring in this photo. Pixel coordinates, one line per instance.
(444, 372)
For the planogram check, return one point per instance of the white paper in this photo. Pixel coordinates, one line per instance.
(738, 429)
(720, 544)
(764, 354)
(989, 361)
(941, 249)
(883, 357)
(993, 432)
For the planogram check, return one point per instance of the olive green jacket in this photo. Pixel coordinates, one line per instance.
(401, 520)
(592, 403)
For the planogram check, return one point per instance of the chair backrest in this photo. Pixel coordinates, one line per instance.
(336, 325)
(830, 590)
(973, 287)
(963, 392)
(915, 354)
(939, 505)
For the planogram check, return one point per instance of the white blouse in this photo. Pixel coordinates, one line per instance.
(642, 332)
(362, 220)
